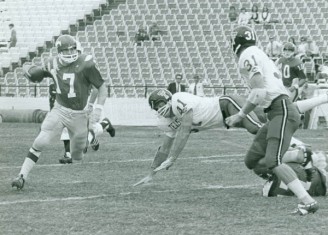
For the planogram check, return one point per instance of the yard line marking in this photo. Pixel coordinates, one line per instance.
(132, 143)
(127, 161)
(3, 203)
(53, 199)
(223, 162)
(232, 186)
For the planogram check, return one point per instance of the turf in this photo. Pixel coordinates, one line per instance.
(207, 191)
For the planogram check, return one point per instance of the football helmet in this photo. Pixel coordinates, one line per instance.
(242, 37)
(158, 96)
(67, 48)
(288, 50)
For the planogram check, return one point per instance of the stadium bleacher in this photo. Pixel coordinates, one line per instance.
(196, 39)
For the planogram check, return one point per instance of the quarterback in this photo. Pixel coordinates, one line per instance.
(73, 75)
(268, 92)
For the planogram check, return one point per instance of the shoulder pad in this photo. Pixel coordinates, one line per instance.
(88, 58)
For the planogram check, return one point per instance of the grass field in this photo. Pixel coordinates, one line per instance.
(207, 191)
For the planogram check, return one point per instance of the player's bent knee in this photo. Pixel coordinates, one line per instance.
(251, 160)
(41, 141)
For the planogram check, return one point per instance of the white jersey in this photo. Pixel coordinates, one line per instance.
(206, 113)
(253, 60)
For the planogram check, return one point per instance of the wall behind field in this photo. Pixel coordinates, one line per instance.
(121, 111)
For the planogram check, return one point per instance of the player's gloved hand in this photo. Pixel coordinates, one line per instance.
(166, 164)
(234, 119)
(145, 180)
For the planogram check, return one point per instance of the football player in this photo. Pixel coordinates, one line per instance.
(313, 177)
(182, 113)
(292, 69)
(94, 131)
(73, 75)
(268, 92)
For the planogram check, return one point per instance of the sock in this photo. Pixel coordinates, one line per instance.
(288, 176)
(67, 145)
(29, 162)
(104, 125)
(68, 155)
(98, 129)
(90, 136)
(297, 188)
(306, 105)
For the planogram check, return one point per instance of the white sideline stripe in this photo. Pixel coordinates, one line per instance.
(222, 162)
(132, 143)
(3, 203)
(232, 186)
(126, 161)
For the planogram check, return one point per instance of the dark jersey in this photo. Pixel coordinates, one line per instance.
(74, 80)
(291, 68)
(52, 95)
(317, 183)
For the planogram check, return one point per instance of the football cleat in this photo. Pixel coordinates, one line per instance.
(303, 209)
(107, 125)
(266, 188)
(95, 144)
(65, 160)
(307, 156)
(18, 182)
(145, 180)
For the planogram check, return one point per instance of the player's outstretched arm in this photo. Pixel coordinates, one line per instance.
(255, 97)
(180, 141)
(160, 156)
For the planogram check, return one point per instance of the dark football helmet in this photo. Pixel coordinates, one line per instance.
(67, 48)
(288, 50)
(242, 37)
(158, 96)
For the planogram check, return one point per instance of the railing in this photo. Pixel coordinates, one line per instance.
(110, 88)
